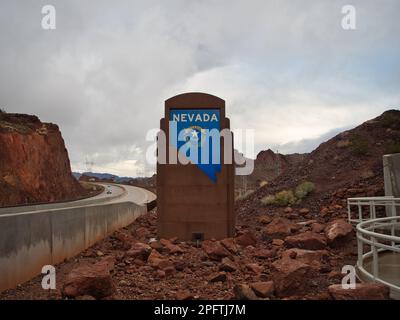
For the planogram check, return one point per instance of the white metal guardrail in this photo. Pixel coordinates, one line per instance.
(381, 235)
(390, 204)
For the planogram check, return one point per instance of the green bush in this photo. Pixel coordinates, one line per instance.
(359, 145)
(268, 200)
(304, 189)
(244, 195)
(287, 197)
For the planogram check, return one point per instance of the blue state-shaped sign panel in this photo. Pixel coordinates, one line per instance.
(199, 129)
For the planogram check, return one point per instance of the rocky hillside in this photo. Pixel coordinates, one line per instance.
(348, 165)
(34, 163)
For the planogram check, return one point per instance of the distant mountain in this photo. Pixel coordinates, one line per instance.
(112, 178)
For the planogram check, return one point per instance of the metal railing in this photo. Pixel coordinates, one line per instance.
(381, 235)
(390, 204)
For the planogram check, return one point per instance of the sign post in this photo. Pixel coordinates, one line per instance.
(195, 185)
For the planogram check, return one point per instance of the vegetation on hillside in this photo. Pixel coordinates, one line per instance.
(288, 197)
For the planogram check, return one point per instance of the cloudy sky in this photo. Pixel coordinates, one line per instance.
(286, 69)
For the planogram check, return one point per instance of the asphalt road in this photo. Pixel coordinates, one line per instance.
(119, 193)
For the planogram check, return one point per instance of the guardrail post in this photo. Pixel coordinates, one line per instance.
(375, 265)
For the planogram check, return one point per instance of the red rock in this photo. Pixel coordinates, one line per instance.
(180, 265)
(126, 239)
(278, 228)
(291, 277)
(214, 249)
(304, 211)
(254, 268)
(154, 257)
(184, 295)
(169, 270)
(338, 232)
(265, 253)
(263, 289)
(157, 246)
(141, 232)
(229, 244)
(363, 291)
(93, 280)
(278, 242)
(264, 219)
(227, 265)
(324, 211)
(218, 277)
(314, 258)
(317, 227)
(34, 163)
(243, 292)
(288, 210)
(170, 247)
(139, 250)
(246, 239)
(306, 240)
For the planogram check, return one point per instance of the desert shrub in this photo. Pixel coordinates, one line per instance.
(343, 143)
(359, 145)
(244, 195)
(304, 189)
(268, 200)
(263, 183)
(394, 147)
(284, 198)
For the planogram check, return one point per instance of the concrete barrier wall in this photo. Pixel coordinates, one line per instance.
(28, 241)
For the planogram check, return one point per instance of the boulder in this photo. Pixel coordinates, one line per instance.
(338, 232)
(246, 239)
(288, 210)
(291, 277)
(214, 249)
(254, 268)
(317, 227)
(263, 289)
(90, 280)
(229, 244)
(362, 291)
(217, 277)
(306, 240)
(265, 253)
(264, 219)
(139, 251)
(277, 242)
(278, 228)
(184, 295)
(243, 292)
(171, 247)
(156, 260)
(227, 265)
(314, 258)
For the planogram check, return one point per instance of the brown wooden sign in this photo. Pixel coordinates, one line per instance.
(195, 200)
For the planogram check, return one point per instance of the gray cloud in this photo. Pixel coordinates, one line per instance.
(285, 68)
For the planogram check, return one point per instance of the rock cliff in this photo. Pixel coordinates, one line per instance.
(34, 163)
